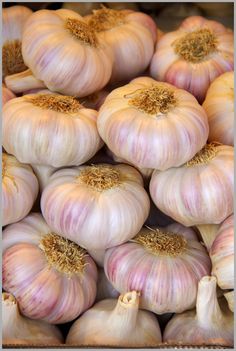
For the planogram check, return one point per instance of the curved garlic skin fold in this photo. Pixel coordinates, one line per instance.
(219, 106)
(208, 325)
(17, 329)
(43, 136)
(116, 323)
(198, 194)
(230, 299)
(43, 292)
(95, 219)
(222, 254)
(44, 43)
(166, 283)
(19, 189)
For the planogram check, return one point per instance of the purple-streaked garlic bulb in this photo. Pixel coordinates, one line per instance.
(219, 106)
(200, 191)
(222, 254)
(14, 19)
(194, 55)
(6, 95)
(19, 189)
(83, 69)
(104, 288)
(212, 323)
(96, 206)
(17, 329)
(52, 278)
(131, 35)
(50, 129)
(114, 322)
(163, 264)
(152, 124)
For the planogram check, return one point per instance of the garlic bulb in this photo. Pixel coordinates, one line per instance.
(222, 254)
(80, 71)
(6, 95)
(164, 265)
(19, 189)
(194, 55)
(104, 288)
(53, 279)
(219, 106)
(131, 35)
(144, 116)
(199, 192)
(14, 18)
(50, 129)
(16, 329)
(92, 205)
(230, 299)
(209, 325)
(116, 323)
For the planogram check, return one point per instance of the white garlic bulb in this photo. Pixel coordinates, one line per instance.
(163, 264)
(52, 278)
(17, 329)
(83, 69)
(92, 205)
(19, 189)
(200, 191)
(219, 106)
(210, 324)
(116, 323)
(14, 18)
(230, 299)
(222, 254)
(50, 129)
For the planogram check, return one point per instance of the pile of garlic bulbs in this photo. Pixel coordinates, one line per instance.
(118, 177)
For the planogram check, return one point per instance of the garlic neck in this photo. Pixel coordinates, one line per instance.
(125, 313)
(10, 313)
(43, 174)
(208, 309)
(208, 233)
(23, 81)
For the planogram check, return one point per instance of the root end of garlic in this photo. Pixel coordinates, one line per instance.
(100, 177)
(57, 103)
(81, 31)
(207, 153)
(12, 59)
(105, 19)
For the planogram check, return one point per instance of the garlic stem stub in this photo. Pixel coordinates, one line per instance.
(199, 192)
(152, 124)
(219, 106)
(52, 278)
(210, 324)
(222, 254)
(14, 19)
(19, 189)
(208, 233)
(116, 323)
(17, 329)
(230, 299)
(192, 56)
(80, 71)
(163, 264)
(92, 205)
(50, 129)
(23, 82)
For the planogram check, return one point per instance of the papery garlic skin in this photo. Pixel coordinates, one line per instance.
(46, 290)
(14, 19)
(222, 254)
(166, 278)
(116, 323)
(6, 95)
(96, 215)
(197, 192)
(152, 124)
(17, 329)
(210, 324)
(23, 82)
(82, 70)
(104, 288)
(219, 106)
(131, 35)
(19, 189)
(230, 299)
(194, 69)
(50, 129)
